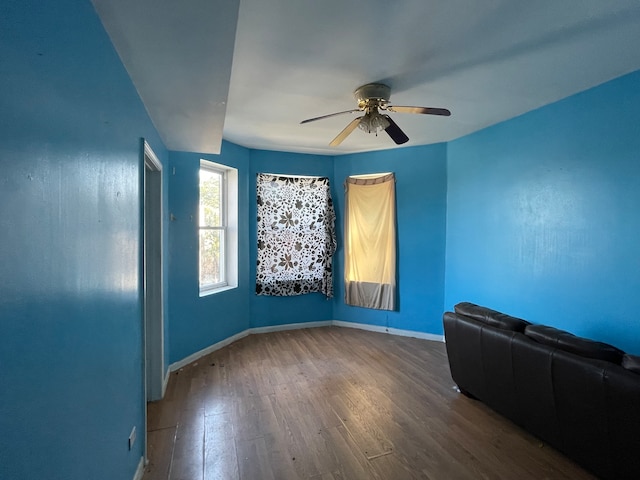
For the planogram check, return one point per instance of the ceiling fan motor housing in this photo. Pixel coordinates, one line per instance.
(372, 93)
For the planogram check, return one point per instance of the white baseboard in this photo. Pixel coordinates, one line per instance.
(390, 331)
(290, 326)
(165, 382)
(295, 326)
(206, 351)
(140, 470)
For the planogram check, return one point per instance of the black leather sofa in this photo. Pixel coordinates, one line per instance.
(579, 396)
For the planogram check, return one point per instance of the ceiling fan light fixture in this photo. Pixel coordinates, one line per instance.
(372, 98)
(372, 122)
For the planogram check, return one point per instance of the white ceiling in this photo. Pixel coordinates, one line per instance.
(485, 60)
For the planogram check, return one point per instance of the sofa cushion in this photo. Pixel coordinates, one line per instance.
(570, 343)
(631, 362)
(491, 317)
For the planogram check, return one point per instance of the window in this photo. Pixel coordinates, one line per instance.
(370, 241)
(218, 215)
(296, 235)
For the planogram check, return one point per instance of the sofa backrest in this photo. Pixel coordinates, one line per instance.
(491, 317)
(631, 362)
(577, 345)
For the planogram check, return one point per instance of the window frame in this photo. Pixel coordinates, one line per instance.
(227, 228)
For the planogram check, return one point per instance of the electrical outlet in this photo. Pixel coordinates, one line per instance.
(132, 437)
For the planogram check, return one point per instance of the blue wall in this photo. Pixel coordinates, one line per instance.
(543, 215)
(421, 181)
(198, 322)
(265, 310)
(70, 263)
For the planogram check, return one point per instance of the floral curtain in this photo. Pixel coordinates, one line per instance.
(296, 235)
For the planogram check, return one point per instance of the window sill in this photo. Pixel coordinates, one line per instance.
(213, 291)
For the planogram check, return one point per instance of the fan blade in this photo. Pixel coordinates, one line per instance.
(345, 133)
(425, 110)
(328, 116)
(394, 131)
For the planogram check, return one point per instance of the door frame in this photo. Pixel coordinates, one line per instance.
(153, 276)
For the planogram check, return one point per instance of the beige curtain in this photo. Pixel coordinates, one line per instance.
(370, 241)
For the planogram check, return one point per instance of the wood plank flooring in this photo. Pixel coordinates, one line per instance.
(335, 404)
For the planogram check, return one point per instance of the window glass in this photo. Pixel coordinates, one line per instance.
(211, 189)
(217, 224)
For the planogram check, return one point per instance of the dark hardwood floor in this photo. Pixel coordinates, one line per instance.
(335, 403)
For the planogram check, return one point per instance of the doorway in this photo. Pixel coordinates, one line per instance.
(153, 277)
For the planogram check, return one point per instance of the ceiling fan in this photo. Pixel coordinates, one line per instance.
(372, 98)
